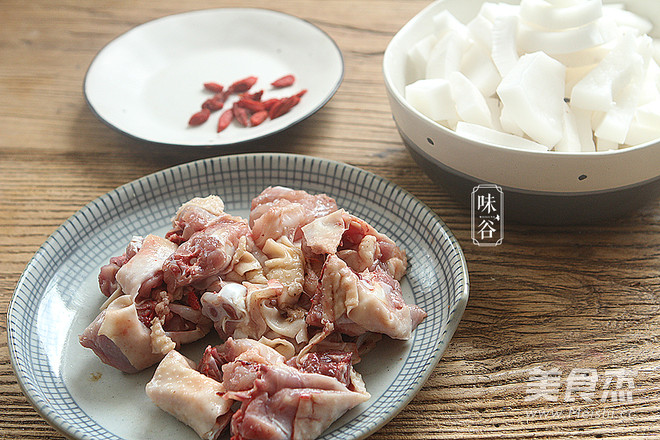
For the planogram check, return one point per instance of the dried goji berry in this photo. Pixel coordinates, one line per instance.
(243, 85)
(285, 81)
(213, 104)
(254, 96)
(283, 106)
(301, 93)
(258, 118)
(213, 87)
(269, 103)
(251, 104)
(241, 114)
(200, 117)
(225, 119)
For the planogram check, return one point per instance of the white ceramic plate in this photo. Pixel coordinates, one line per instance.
(149, 81)
(57, 296)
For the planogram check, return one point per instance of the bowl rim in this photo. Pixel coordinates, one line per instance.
(388, 61)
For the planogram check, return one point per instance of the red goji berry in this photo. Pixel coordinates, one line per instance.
(225, 119)
(269, 103)
(213, 87)
(285, 81)
(258, 118)
(200, 117)
(242, 115)
(301, 93)
(283, 106)
(243, 85)
(251, 104)
(256, 96)
(213, 104)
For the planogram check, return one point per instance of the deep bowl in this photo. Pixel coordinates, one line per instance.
(539, 187)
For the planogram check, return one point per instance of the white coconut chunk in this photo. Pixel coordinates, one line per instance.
(508, 123)
(586, 57)
(597, 89)
(533, 92)
(446, 55)
(641, 133)
(481, 31)
(628, 19)
(650, 89)
(492, 11)
(573, 76)
(616, 123)
(478, 67)
(471, 105)
(594, 34)
(649, 114)
(585, 132)
(495, 107)
(418, 56)
(570, 140)
(543, 14)
(490, 136)
(606, 144)
(504, 51)
(432, 98)
(444, 22)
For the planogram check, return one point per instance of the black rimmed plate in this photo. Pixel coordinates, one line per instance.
(147, 82)
(58, 296)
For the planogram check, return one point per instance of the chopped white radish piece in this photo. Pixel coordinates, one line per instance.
(483, 134)
(418, 56)
(533, 91)
(651, 88)
(471, 105)
(597, 89)
(478, 67)
(544, 14)
(446, 55)
(573, 76)
(504, 51)
(569, 40)
(570, 140)
(432, 98)
(494, 105)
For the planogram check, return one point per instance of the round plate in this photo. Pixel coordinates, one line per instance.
(58, 296)
(149, 81)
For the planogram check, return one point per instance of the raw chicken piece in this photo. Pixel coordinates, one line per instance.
(280, 401)
(206, 253)
(144, 271)
(193, 398)
(355, 241)
(280, 211)
(354, 303)
(194, 216)
(108, 273)
(119, 339)
(317, 205)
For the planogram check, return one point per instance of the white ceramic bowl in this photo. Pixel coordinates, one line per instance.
(539, 187)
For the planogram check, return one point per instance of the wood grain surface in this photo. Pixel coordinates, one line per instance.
(573, 299)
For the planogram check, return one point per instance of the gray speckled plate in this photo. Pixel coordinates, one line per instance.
(57, 295)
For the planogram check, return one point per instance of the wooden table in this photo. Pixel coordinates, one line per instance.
(576, 300)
